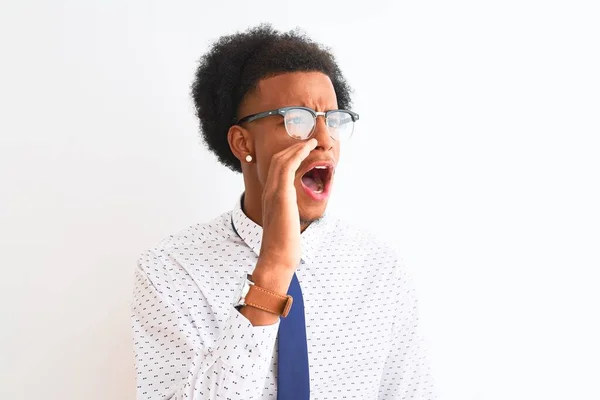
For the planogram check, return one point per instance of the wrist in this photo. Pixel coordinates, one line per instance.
(272, 277)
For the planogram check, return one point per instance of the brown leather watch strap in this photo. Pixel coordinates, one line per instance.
(268, 300)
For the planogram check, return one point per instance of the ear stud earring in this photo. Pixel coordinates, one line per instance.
(248, 158)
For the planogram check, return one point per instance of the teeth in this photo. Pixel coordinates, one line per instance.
(321, 167)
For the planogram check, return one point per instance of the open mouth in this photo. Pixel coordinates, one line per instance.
(318, 178)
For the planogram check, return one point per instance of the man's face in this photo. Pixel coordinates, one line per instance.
(308, 89)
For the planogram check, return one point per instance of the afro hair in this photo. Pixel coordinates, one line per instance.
(236, 63)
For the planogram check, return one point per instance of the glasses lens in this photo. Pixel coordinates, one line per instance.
(340, 124)
(299, 123)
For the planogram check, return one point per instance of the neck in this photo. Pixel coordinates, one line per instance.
(252, 207)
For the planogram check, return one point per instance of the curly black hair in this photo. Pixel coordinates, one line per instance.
(234, 65)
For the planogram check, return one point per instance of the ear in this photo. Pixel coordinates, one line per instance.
(241, 142)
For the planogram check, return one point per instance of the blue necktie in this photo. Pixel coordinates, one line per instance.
(292, 366)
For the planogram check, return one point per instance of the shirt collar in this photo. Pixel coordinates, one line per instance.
(251, 233)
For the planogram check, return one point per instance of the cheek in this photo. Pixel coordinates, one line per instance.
(263, 164)
(262, 170)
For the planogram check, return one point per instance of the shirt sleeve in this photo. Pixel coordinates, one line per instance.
(174, 360)
(407, 374)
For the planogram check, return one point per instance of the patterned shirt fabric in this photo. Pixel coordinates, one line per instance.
(360, 306)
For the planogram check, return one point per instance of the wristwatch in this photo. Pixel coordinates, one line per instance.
(264, 299)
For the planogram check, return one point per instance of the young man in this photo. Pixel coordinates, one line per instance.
(274, 299)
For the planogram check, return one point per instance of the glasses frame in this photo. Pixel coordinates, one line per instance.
(283, 110)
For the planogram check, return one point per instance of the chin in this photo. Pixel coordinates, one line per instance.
(309, 217)
(310, 210)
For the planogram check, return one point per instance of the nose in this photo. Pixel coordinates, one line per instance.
(321, 133)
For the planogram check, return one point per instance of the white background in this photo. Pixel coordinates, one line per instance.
(477, 154)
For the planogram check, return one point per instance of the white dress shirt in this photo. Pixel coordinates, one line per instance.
(361, 317)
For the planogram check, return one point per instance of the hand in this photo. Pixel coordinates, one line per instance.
(280, 216)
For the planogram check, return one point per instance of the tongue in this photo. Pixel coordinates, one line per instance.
(313, 183)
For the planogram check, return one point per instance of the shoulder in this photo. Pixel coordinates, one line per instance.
(372, 251)
(192, 239)
(378, 249)
(362, 240)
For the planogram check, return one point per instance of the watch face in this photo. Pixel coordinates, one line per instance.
(243, 294)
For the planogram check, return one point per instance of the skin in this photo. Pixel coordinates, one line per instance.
(274, 197)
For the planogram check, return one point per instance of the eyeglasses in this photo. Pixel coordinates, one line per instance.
(300, 122)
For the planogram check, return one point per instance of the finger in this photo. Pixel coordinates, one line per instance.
(291, 149)
(285, 164)
(288, 162)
